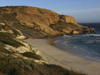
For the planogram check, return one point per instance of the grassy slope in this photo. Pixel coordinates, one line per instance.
(7, 38)
(17, 66)
(23, 67)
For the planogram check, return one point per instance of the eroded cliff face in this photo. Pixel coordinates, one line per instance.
(39, 23)
(68, 19)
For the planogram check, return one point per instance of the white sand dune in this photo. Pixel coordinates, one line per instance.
(56, 56)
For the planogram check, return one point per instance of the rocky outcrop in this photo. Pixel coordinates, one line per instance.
(9, 29)
(68, 19)
(37, 23)
(21, 36)
(76, 32)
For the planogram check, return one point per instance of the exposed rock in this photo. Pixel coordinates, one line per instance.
(21, 49)
(2, 23)
(37, 23)
(66, 31)
(76, 32)
(2, 30)
(67, 19)
(20, 37)
(10, 31)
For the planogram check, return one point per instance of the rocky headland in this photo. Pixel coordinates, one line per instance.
(20, 22)
(35, 22)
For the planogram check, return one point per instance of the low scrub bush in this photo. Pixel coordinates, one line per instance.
(16, 66)
(32, 55)
(10, 69)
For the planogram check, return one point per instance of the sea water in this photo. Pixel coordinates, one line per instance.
(84, 45)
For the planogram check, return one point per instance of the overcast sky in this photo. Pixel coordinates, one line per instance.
(82, 10)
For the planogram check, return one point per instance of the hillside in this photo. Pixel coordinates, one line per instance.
(19, 22)
(19, 58)
(35, 22)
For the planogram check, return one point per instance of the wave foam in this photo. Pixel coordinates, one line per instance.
(67, 36)
(57, 41)
(93, 35)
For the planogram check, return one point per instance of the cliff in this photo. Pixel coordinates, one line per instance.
(35, 22)
(18, 22)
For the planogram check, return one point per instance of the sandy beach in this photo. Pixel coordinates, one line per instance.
(56, 56)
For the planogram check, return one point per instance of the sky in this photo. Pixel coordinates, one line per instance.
(84, 11)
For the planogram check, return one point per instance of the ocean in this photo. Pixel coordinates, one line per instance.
(84, 45)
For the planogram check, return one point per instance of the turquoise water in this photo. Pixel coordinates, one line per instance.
(85, 45)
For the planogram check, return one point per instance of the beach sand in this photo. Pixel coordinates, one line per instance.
(53, 55)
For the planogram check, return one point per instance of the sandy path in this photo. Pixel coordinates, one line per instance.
(55, 56)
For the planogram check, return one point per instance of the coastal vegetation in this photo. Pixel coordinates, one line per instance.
(16, 56)
(32, 55)
(16, 66)
(9, 65)
(7, 38)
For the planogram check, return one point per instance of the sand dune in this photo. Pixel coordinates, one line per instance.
(56, 56)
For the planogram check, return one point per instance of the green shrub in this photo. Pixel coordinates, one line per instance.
(32, 55)
(22, 63)
(16, 66)
(9, 69)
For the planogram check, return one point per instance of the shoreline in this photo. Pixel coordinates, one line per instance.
(53, 55)
(78, 51)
